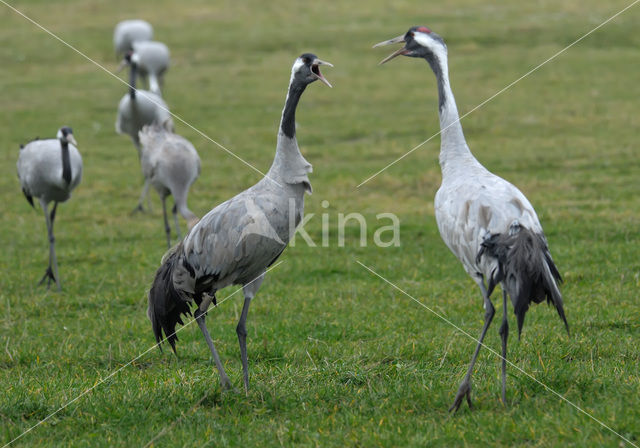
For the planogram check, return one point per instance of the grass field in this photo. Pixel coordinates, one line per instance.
(337, 357)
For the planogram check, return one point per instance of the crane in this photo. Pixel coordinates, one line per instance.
(489, 225)
(138, 108)
(127, 32)
(239, 239)
(49, 170)
(153, 61)
(171, 164)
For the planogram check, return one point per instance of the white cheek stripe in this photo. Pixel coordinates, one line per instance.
(422, 39)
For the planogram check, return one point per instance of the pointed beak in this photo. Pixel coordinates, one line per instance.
(396, 40)
(72, 140)
(122, 65)
(316, 70)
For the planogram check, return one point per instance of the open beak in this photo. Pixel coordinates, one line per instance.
(316, 70)
(396, 40)
(72, 140)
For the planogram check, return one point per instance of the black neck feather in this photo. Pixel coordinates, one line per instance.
(66, 162)
(132, 81)
(288, 123)
(434, 62)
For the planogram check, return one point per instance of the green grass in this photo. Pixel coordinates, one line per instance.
(337, 357)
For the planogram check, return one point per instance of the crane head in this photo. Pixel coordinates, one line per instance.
(65, 134)
(306, 69)
(419, 42)
(130, 58)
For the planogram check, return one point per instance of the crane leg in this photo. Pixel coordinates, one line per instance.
(175, 220)
(504, 334)
(144, 194)
(200, 314)
(249, 290)
(167, 228)
(51, 274)
(465, 386)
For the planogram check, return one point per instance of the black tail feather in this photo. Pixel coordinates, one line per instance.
(166, 304)
(29, 197)
(526, 270)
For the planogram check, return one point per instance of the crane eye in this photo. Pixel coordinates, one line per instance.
(412, 34)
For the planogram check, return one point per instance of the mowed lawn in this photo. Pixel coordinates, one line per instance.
(337, 356)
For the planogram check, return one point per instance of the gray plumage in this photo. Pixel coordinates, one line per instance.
(171, 165)
(486, 221)
(239, 239)
(153, 62)
(49, 170)
(139, 107)
(127, 32)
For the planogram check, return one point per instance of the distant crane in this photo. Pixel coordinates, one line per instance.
(153, 61)
(486, 221)
(171, 164)
(127, 32)
(139, 108)
(220, 251)
(49, 170)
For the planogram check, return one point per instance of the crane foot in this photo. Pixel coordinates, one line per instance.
(463, 391)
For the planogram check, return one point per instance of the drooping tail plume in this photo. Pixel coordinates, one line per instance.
(526, 270)
(166, 305)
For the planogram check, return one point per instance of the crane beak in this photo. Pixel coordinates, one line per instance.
(72, 140)
(316, 70)
(396, 40)
(121, 66)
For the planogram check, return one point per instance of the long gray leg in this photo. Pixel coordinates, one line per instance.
(52, 270)
(465, 386)
(167, 229)
(144, 194)
(175, 220)
(504, 334)
(249, 291)
(200, 314)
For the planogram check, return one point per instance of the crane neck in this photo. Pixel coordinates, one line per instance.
(288, 121)
(66, 162)
(453, 145)
(132, 80)
(289, 166)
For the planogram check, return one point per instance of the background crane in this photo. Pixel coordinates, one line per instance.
(486, 221)
(171, 164)
(49, 170)
(127, 32)
(139, 108)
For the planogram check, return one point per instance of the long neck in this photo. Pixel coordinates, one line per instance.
(66, 162)
(453, 144)
(289, 165)
(132, 81)
(288, 121)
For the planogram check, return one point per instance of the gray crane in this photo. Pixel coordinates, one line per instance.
(239, 239)
(139, 108)
(153, 61)
(127, 32)
(171, 164)
(49, 170)
(485, 221)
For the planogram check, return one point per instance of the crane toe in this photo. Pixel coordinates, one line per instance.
(463, 391)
